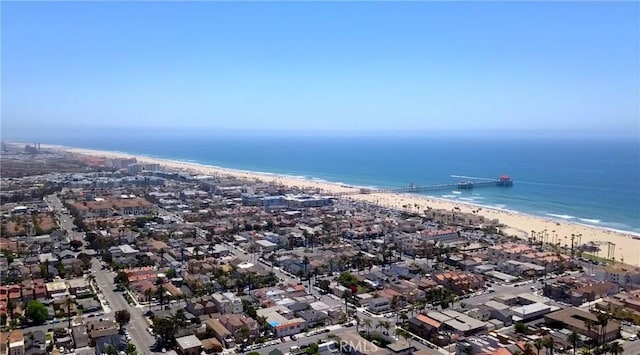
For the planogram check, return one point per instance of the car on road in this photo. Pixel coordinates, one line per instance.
(293, 337)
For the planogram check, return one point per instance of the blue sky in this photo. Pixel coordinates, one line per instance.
(313, 66)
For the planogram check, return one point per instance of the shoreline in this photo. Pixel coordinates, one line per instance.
(519, 224)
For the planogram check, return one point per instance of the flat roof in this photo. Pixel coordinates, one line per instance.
(188, 342)
(496, 305)
(531, 308)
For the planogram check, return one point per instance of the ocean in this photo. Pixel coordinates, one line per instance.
(594, 181)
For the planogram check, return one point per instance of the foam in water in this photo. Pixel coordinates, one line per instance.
(588, 220)
(562, 216)
(456, 192)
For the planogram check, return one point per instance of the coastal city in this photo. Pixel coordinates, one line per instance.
(106, 254)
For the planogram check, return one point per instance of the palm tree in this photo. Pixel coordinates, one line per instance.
(367, 324)
(404, 317)
(528, 349)
(615, 348)
(548, 343)
(68, 302)
(538, 344)
(11, 307)
(573, 338)
(347, 296)
(305, 262)
(603, 321)
(589, 324)
(386, 325)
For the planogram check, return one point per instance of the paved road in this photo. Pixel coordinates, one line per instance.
(65, 220)
(302, 340)
(138, 325)
(631, 347)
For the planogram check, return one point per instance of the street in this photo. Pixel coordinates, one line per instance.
(110, 300)
(138, 325)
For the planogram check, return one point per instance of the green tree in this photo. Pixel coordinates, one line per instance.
(75, 244)
(243, 333)
(180, 319)
(68, 302)
(36, 312)
(521, 328)
(109, 350)
(528, 349)
(121, 279)
(171, 273)
(85, 261)
(549, 343)
(573, 339)
(122, 317)
(131, 349)
(615, 348)
(346, 279)
(165, 328)
(538, 344)
(367, 324)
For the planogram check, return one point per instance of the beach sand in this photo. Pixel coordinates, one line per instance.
(519, 224)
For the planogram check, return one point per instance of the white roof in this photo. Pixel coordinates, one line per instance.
(188, 342)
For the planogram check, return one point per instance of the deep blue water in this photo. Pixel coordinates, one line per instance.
(592, 181)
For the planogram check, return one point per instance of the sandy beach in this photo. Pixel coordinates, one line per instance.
(519, 224)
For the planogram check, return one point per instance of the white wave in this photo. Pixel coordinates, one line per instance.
(588, 220)
(456, 192)
(470, 177)
(449, 196)
(563, 216)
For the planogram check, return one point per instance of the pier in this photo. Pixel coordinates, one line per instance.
(502, 181)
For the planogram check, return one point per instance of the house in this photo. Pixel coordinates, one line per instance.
(80, 336)
(235, 323)
(123, 251)
(72, 267)
(33, 289)
(379, 305)
(227, 303)
(110, 340)
(16, 344)
(189, 345)
(457, 322)
(57, 289)
(424, 326)
(202, 305)
(281, 320)
(79, 287)
(220, 332)
(211, 345)
(313, 318)
(99, 329)
(35, 343)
